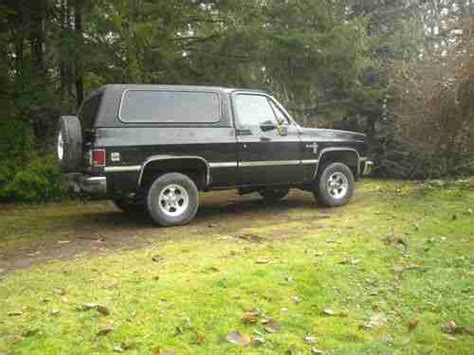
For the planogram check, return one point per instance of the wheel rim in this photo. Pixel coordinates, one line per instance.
(338, 185)
(60, 146)
(173, 200)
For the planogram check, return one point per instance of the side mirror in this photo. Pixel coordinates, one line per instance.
(268, 126)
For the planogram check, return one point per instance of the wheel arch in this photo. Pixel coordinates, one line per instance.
(183, 164)
(346, 155)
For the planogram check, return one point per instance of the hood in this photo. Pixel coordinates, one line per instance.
(334, 134)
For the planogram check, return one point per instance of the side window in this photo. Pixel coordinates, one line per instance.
(253, 110)
(163, 106)
(282, 119)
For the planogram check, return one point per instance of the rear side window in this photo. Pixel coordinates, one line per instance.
(161, 106)
(89, 110)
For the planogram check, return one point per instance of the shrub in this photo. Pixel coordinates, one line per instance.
(38, 181)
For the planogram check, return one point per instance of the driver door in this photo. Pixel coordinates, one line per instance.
(269, 148)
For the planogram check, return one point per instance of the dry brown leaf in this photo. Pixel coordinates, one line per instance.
(99, 308)
(330, 312)
(258, 341)
(18, 312)
(452, 328)
(251, 317)
(296, 299)
(105, 330)
(165, 352)
(376, 321)
(309, 339)
(237, 338)
(262, 261)
(271, 325)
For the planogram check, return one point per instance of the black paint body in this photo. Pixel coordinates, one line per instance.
(230, 155)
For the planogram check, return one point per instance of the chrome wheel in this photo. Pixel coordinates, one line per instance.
(60, 146)
(338, 185)
(173, 200)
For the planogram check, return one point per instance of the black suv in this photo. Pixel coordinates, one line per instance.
(157, 146)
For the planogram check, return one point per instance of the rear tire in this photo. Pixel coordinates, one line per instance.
(335, 185)
(274, 194)
(172, 200)
(69, 144)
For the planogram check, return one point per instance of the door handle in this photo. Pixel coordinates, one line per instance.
(265, 139)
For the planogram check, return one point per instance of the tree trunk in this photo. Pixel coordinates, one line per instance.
(79, 45)
(37, 37)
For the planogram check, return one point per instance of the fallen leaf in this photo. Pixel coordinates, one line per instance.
(18, 312)
(309, 339)
(99, 308)
(54, 312)
(237, 338)
(59, 291)
(262, 261)
(121, 347)
(271, 325)
(200, 338)
(157, 258)
(258, 341)
(102, 310)
(330, 312)
(376, 321)
(165, 352)
(296, 299)
(452, 328)
(105, 330)
(316, 351)
(252, 238)
(118, 349)
(251, 316)
(30, 332)
(413, 322)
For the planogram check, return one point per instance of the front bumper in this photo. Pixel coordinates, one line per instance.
(367, 167)
(91, 185)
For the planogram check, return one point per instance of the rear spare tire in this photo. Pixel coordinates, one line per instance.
(69, 143)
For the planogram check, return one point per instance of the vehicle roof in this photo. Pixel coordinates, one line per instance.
(182, 87)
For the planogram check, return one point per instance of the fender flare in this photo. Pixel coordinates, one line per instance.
(163, 158)
(336, 149)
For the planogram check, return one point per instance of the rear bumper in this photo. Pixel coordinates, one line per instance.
(91, 185)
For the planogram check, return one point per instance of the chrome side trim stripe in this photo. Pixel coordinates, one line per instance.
(268, 163)
(117, 169)
(231, 164)
(310, 161)
(261, 163)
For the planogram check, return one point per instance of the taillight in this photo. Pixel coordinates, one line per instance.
(98, 157)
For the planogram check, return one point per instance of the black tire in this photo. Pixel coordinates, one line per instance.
(69, 137)
(128, 206)
(274, 194)
(334, 195)
(157, 207)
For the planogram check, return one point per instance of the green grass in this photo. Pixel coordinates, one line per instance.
(203, 278)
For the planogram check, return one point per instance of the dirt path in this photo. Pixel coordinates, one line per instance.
(98, 228)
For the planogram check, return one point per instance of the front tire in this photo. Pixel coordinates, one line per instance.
(335, 185)
(172, 200)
